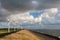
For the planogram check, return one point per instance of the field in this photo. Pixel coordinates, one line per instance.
(23, 35)
(5, 30)
(20, 35)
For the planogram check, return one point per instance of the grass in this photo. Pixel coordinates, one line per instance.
(21, 35)
(6, 30)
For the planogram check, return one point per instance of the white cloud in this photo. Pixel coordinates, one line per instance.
(49, 16)
(22, 17)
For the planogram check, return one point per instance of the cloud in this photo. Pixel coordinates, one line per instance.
(8, 7)
(18, 10)
(3, 13)
(25, 5)
(50, 16)
(23, 17)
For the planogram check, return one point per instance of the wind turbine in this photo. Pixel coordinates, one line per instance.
(8, 25)
(14, 19)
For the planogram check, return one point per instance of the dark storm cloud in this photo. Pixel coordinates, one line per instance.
(15, 5)
(23, 5)
(8, 7)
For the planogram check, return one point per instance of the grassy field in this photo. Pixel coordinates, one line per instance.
(22, 35)
(6, 30)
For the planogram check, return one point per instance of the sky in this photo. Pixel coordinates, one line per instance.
(38, 13)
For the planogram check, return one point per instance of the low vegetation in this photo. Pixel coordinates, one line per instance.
(21, 35)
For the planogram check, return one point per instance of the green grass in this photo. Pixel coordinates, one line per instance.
(5, 30)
